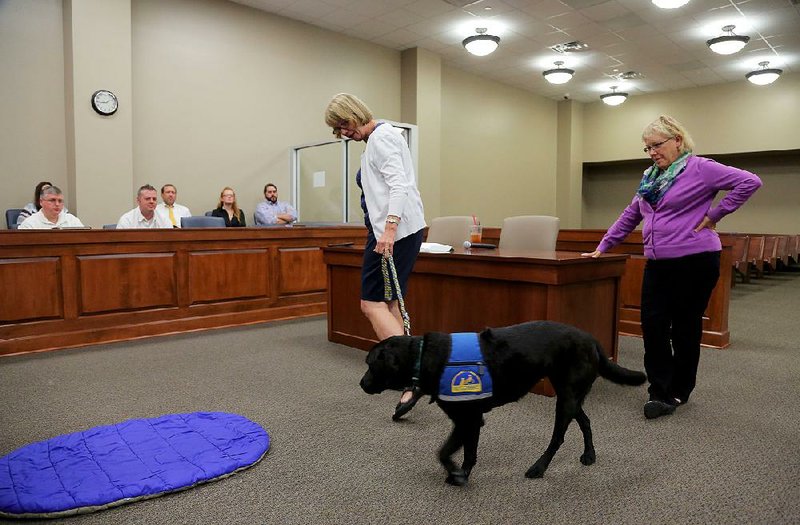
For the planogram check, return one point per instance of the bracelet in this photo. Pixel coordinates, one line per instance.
(393, 219)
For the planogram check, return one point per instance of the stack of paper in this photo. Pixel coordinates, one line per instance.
(435, 247)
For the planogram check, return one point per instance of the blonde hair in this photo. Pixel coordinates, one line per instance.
(236, 210)
(346, 108)
(668, 127)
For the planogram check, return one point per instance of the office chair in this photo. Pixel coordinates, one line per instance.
(109, 226)
(452, 231)
(209, 213)
(529, 232)
(202, 222)
(11, 217)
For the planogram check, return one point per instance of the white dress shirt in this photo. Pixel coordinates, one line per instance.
(135, 219)
(38, 221)
(178, 210)
(390, 188)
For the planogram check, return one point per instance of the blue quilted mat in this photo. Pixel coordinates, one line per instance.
(111, 465)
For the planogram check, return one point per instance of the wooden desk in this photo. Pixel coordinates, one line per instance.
(468, 291)
(71, 288)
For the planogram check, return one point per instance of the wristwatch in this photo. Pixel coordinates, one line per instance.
(393, 219)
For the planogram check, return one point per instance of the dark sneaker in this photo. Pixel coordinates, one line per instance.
(655, 408)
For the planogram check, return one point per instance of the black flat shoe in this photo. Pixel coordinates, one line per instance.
(403, 408)
(656, 408)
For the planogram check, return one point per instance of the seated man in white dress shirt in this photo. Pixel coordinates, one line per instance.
(170, 210)
(272, 211)
(144, 214)
(52, 215)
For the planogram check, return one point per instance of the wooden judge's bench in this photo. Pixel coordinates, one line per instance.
(70, 288)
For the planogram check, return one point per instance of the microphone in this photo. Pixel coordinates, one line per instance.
(488, 246)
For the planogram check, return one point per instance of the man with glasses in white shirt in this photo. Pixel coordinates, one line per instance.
(52, 215)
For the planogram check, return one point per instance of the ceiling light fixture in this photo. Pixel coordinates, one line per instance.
(765, 75)
(614, 98)
(481, 44)
(559, 75)
(728, 44)
(670, 4)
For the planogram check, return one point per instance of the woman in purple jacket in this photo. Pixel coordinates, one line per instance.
(675, 200)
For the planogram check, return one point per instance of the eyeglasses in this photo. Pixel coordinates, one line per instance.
(55, 201)
(657, 145)
(344, 126)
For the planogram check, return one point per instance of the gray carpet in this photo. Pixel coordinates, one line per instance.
(729, 456)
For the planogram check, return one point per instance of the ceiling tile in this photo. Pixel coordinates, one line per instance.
(605, 11)
(667, 46)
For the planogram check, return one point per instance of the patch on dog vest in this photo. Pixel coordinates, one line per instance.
(465, 375)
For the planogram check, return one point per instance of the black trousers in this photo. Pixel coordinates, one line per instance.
(675, 294)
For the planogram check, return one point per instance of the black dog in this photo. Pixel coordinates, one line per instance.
(517, 357)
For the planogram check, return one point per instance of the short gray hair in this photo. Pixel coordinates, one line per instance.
(50, 190)
(668, 127)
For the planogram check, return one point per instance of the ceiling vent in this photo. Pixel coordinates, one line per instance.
(570, 47)
(630, 75)
(462, 3)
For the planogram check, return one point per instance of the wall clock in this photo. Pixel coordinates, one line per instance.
(104, 102)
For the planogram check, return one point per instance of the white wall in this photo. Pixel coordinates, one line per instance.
(498, 150)
(222, 91)
(729, 118)
(32, 133)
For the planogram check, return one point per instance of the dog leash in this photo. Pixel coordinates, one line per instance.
(387, 263)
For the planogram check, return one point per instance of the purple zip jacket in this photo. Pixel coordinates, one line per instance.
(668, 230)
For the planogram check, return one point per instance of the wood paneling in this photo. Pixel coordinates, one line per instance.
(227, 275)
(300, 270)
(30, 289)
(467, 291)
(66, 288)
(110, 283)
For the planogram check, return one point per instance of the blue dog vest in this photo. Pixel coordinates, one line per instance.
(465, 375)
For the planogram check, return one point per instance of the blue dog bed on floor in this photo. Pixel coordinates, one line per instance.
(137, 459)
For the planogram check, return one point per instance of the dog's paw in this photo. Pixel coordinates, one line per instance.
(457, 478)
(535, 472)
(588, 458)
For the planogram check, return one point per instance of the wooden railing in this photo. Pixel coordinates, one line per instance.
(64, 289)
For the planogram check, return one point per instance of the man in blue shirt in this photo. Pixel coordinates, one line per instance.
(272, 211)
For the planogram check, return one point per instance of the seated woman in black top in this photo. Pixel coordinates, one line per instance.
(228, 210)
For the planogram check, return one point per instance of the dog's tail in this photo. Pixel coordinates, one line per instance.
(620, 375)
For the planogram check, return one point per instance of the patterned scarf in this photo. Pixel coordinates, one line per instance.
(656, 182)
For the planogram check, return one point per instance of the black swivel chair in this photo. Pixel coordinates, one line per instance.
(202, 222)
(209, 213)
(109, 226)
(11, 217)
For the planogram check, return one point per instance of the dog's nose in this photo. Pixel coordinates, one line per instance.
(365, 386)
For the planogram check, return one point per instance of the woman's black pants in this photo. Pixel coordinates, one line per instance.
(675, 294)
